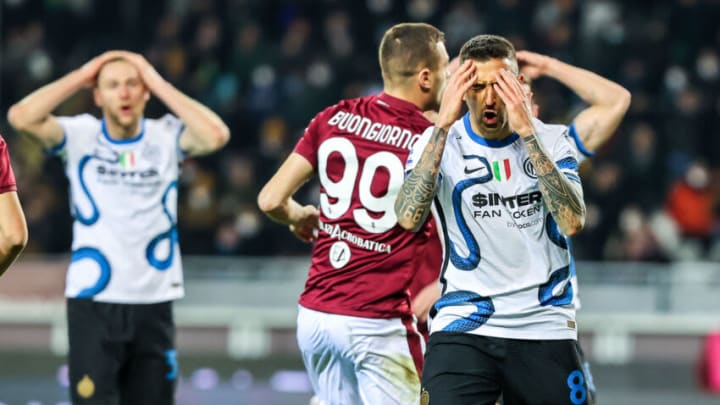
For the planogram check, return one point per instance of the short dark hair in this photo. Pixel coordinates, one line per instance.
(484, 47)
(407, 48)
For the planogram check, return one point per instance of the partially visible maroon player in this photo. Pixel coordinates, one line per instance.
(356, 328)
(425, 288)
(13, 230)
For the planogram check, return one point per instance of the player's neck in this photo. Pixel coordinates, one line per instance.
(407, 95)
(118, 131)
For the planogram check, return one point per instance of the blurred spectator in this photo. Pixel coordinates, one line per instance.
(690, 205)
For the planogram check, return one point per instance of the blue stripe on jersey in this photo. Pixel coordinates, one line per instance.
(488, 142)
(553, 232)
(578, 142)
(104, 279)
(123, 141)
(484, 305)
(171, 235)
(470, 262)
(568, 163)
(546, 292)
(93, 217)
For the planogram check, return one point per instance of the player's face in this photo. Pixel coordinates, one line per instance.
(484, 103)
(121, 93)
(440, 77)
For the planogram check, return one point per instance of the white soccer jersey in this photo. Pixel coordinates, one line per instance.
(123, 198)
(507, 269)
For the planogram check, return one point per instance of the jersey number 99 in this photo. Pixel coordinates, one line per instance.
(336, 199)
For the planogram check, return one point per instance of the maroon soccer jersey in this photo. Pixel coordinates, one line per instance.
(363, 262)
(7, 178)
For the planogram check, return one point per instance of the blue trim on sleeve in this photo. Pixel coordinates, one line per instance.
(572, 177)
(509, 140)
(181, 152)
(568, 163)
(573, 132)
(123, 141)
(55, 150)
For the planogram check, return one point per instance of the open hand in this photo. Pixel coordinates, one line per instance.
(89, 71)
(517, 102)
(451, 105)
(533, 65)
(306, 228)
(148, 74)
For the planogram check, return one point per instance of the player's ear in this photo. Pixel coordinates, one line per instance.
(146, 96)
(425, 78)
(96, 97)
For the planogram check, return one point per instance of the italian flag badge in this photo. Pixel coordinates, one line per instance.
(501, 169)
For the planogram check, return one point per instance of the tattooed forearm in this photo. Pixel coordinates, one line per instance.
(415, 197)
(562, 197)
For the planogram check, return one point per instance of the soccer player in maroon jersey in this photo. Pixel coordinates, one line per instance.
(356, 329)
(13, 230)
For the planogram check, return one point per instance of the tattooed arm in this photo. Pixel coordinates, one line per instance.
(562, 196)
(416, 195)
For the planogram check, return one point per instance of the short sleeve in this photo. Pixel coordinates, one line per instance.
(174, 126)
(584, 153)
(307, 146)
(76, 130)
(565, 154)
(7, 177)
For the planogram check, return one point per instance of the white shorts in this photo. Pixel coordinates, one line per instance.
(353, 360)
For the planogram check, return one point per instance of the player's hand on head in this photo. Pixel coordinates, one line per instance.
(532, 65)
(517, 100)
(306, 228)
(458, 83)
(90, 70)
(149, 75)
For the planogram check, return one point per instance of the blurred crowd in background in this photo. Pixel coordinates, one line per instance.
(268, 66)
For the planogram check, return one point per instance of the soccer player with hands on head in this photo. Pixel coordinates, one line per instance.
(507, 196)
(125, 268)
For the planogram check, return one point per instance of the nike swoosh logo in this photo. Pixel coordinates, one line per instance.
(468, 171)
